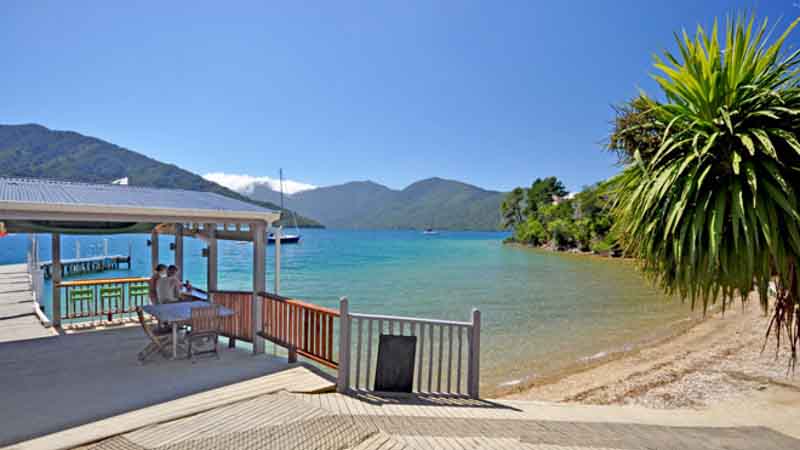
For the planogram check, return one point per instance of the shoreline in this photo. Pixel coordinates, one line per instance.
(512, 389)
(714, 360)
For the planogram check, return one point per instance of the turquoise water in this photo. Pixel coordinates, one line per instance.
(542, 312)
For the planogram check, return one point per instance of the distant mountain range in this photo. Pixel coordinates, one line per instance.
(36, 151)
(434, 202)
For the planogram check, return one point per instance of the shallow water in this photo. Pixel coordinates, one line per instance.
(542, 312)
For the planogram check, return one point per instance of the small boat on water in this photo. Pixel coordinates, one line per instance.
(285, 238)
(430, 230)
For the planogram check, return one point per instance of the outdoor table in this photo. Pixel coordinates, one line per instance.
(179, 312)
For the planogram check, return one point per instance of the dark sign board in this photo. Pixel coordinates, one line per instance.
(395, 369)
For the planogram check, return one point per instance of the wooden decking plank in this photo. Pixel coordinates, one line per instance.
(293, 379)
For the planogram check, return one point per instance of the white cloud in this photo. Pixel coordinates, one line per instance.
(244, 184)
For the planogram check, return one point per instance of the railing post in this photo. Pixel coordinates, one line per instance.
(473, 379)
(343, 380)
(278, 236)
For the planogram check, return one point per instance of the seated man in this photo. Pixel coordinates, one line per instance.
(169, 288)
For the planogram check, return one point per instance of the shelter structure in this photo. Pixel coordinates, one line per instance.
(59, 207)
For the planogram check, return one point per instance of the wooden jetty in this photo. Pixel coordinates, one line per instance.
(91, 264)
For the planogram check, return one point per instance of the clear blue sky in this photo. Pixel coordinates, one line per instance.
(492, 93)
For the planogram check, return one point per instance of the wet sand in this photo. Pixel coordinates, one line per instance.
(716, 364)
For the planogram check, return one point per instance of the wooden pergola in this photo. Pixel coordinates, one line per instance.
(57, 207)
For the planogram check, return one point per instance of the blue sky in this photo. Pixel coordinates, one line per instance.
(491, 93)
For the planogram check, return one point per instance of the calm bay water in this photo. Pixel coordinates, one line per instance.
(542, 312)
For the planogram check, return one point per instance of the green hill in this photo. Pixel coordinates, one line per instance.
(36, 151)
(442, 204)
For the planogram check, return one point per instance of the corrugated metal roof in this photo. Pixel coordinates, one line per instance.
(52, 192)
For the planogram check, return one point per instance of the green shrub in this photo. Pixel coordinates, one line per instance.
(562, 233)
(531, 232)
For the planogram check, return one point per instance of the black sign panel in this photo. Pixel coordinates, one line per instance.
(395, 369)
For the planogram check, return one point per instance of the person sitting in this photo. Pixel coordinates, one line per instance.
(159, 272)
(173, 273)
(169, 287)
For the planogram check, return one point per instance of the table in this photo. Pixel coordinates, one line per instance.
(178, 312)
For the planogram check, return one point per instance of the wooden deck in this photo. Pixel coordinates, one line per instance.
(18, 321)
(286, 421)
(50, 385)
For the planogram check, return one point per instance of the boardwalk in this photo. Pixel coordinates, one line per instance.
(17, 318)
(333, 421)
(284, 420)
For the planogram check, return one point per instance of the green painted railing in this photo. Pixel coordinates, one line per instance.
(104, 299)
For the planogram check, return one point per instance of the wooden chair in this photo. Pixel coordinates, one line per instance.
(159, 341)
(205, 325)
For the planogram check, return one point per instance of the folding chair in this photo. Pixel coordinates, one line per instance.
(205, 323)
(159, 341)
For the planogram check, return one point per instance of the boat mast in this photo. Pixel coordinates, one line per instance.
(294, 217)
(280, 175)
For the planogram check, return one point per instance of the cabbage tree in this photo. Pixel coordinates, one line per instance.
(711, 207)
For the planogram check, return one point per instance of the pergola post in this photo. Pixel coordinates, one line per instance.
(154, 248)
(179, 249)
(55, 276)
(259, 231)
(212, 260)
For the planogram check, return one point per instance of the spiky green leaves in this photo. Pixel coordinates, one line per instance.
(712, 211)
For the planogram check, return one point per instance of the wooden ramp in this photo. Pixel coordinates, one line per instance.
(297, 379)
(18, 320)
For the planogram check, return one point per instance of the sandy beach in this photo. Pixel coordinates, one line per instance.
(714, 364)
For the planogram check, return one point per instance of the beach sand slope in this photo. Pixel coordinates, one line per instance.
(716, 362)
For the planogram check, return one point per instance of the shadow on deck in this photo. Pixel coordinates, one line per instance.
(388, 399)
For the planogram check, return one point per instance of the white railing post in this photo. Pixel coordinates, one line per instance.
(343, 379)
(278, 236)
(473, 378)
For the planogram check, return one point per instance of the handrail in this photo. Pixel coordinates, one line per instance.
(97, 281)
(454, 323)
(294, 301)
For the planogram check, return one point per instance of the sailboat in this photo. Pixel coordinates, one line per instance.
(286, 238)
(430, 229)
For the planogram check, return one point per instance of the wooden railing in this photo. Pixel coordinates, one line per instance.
(103, 299)
(303, 328)
(447, 357)
(240, 324)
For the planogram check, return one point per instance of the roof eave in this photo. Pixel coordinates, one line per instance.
(94, 213)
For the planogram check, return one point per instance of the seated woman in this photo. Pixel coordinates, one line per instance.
(168, 288)
(159, 272)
